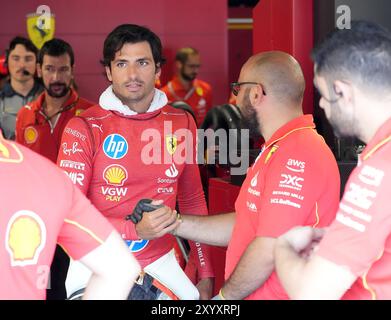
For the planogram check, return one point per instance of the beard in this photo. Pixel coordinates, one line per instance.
(64, 89)
(188, 77)
(342, 123)
(249, 118)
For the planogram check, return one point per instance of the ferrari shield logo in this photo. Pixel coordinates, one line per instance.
(40, 28)
(171, 144)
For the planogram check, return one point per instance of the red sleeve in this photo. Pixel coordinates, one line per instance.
(191, 200)
(84, 228)
(75, 156)
(358, 236)
(299, 180)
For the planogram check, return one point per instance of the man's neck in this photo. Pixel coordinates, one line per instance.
(373, 122)
(22, 88)
(140, 106)
(185, 83)
(53, 105)
(277, 121)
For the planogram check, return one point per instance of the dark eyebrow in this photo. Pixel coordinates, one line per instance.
(144, 58)
(120, 60)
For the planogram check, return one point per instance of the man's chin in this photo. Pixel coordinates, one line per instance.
(57, 94)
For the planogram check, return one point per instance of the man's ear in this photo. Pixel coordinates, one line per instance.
(344, 90)
(108, 73)
(256, 95)
(39, 70)
(158, 71)
(178, 65)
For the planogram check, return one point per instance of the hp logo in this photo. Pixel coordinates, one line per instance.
(115, 146)
(137, 245)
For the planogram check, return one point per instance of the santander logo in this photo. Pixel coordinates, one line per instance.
(254, 180)
(172, 171)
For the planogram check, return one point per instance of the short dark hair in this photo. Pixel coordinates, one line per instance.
(55, 48)
(24, 42)
(183, 53)
(361, 54)
(131, 33)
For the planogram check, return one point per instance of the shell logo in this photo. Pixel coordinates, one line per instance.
(30, 135)
(115, 175)
(25, 238)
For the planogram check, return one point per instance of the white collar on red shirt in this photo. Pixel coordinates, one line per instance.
(109, 101)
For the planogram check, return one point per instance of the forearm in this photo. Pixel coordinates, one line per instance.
(213, 230)
(252, 271)
(290, 268)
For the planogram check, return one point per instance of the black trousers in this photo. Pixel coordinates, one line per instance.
(58, 274)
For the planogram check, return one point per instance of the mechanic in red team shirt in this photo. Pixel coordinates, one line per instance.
(129, 147)
(42, 208)
(294, 181)
(186, 87)
(352, 261)
(39, 124)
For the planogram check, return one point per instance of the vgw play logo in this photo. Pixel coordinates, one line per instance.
(115, 146)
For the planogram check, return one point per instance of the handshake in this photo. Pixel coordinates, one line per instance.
(144, 205)
(152, 226)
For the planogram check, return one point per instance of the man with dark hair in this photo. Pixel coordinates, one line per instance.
(294, 180)
(39, 126)
(42, 208)
(186, 87)
(111, 158)
(352, 260)
(22, 87)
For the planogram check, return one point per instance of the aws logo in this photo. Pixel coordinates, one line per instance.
(295, 165)
(115, 175)
(25, 238)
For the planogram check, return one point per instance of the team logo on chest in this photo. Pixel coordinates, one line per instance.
(30, 135)
(115, 175)
(171, 144)
(25, 238)
(115, 146)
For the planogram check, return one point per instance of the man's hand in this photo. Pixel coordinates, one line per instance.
(302, 239)
(205, 288)
(157, 223)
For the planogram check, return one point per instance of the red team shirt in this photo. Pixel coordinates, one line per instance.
(34, 131)
(294, 181)
(39, 209)
(102, 151)
(199, 97)
(360, 237)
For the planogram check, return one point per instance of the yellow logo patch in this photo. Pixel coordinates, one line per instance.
(40, 28)
(79, 112)
(171, 144)
(272, 150)
(200, 91)
(30, 135)
(115, 175)
(25, 238)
